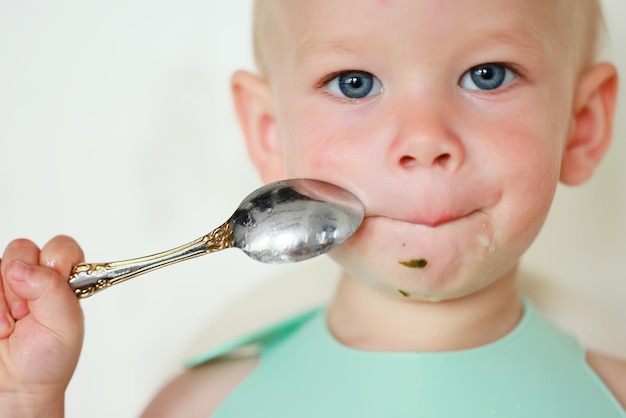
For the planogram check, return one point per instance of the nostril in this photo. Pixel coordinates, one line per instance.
(442, 160)
(408, 162)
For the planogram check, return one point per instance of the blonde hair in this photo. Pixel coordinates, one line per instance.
(587, 26)
(585, 23)
(260, 32)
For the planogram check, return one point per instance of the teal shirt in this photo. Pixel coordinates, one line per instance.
(535, 371)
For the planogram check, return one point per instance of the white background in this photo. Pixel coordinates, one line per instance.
(116, 127)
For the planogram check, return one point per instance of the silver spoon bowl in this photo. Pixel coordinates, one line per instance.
(282, 222)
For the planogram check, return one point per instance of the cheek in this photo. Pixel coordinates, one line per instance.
(529, 146)
(318, 144)
(529, 178)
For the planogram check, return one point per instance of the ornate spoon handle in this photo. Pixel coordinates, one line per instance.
(87, 279)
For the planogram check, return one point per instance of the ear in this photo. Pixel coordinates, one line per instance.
(255, 110)
(592, 123)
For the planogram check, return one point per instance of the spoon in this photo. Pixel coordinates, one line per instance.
(282, 222)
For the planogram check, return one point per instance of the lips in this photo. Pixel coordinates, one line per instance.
(431, 216)
(433, 222)
(439, 220)
(434, 210)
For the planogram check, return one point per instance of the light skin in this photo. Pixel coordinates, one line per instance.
(41, 327)
(443, 133)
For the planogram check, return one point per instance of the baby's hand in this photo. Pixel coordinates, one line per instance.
(41, 327)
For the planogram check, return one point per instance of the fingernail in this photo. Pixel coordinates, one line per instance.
(18, 270)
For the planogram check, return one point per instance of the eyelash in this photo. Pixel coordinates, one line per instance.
(328, 78)
(323, 85)
(517, 72)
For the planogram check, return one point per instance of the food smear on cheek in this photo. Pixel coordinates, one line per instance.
(417, 263)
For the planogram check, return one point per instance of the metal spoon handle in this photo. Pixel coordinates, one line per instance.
(87, 279)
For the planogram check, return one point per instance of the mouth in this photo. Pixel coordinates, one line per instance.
(429, 222)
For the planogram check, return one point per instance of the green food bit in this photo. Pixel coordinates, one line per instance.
(418, 263)
(403, 293)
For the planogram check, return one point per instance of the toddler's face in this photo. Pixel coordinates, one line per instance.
(447, 118)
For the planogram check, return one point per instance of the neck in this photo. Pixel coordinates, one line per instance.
(364, 318)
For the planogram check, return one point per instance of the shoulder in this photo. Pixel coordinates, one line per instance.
(612, 371)
(198, 392)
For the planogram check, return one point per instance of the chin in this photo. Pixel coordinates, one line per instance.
(429, 284)
(415, 262)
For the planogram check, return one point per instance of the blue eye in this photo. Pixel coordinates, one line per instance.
(355, 85)
(487, 77)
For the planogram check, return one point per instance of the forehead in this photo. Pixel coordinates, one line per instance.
(306, 25)
(306, 13)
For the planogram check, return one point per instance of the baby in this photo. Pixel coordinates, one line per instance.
(453, 121)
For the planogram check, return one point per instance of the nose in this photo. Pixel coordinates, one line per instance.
(424, 136)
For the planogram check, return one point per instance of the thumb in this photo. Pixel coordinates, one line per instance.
(50, 300)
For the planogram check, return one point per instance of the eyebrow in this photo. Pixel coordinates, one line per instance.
(314, 46)
(527, 38)
(527, 35)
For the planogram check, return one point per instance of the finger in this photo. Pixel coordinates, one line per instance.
(60, 255)
(51, 302)
(27, 252)
(6, 319)
(54, 327)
